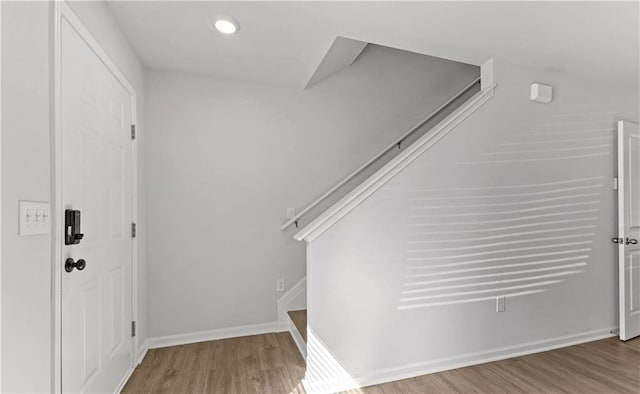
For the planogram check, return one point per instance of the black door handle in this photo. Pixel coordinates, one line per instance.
(617, 240)
(630, 241)
(70, 264)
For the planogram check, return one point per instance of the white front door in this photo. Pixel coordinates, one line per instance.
(629, 228)
(96, 157)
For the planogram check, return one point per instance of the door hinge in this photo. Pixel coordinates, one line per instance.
(615, 183)
(134, 230)
(133, 132)
(133, 328)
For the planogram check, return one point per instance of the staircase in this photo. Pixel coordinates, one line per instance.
(385, 156)
(346, 195)
(298, 329)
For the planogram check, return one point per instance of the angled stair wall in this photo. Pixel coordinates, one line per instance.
(512, 201)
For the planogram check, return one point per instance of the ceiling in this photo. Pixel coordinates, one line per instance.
(283, 43)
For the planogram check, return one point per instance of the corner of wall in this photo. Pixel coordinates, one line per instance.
(487, 75)
(294, 299)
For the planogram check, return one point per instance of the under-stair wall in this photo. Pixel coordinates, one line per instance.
(239, 153)
(516, 201)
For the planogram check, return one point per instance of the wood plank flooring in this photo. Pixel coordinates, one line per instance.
(271, 363)
(299, 319)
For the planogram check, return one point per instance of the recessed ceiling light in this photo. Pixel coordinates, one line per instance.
(225, 25)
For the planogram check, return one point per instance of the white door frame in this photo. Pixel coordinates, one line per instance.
(0, 194)
(60, 11)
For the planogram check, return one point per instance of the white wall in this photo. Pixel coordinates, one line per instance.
(26, 268)
(26, 175)
(228, 157)
(545, 172)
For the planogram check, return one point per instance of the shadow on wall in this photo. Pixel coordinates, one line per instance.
(475, 244)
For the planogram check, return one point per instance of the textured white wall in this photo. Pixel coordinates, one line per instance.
(228, 157)
(26, 175)
(516, 201)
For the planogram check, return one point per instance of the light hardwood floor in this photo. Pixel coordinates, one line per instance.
(271, 363)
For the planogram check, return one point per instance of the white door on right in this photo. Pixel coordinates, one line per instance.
(629, 228)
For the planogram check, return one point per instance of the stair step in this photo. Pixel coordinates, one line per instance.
(299, 319)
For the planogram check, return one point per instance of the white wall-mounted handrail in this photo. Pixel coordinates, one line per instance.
(397, 142)
(369, 186)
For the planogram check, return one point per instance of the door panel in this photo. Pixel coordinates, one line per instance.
(633, 184)
(96, 156)
(634, 281)
(629, 228)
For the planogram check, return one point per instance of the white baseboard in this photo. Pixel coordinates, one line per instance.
(142, 352)
(465, 360)
(125, 380)
(307, 388)
(282, 326)
(211, 335)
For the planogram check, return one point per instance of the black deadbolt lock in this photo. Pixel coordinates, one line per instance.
(72, 232)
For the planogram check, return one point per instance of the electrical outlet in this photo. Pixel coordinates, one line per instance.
(500, 304)
(280, 284)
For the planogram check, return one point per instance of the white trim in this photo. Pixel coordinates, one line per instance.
(305, 384)
(61, 10)
(398, 141)
(297, 338)
(487, 75)
(134, 219)
(281, 326)
(212, 335)
(464, 360)
(142, 353)
(0, 194)
(620, 199)
(475, 358)
(290, 296)
(346, 204)
(56, 207)
(125, 379)
(132, 369)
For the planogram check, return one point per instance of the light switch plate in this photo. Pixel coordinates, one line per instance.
(35, 218)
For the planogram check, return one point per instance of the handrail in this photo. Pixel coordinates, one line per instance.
(393, 167)
(397, 143)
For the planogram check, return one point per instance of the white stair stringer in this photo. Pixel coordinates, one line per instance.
(293, 300)
(297, 338)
